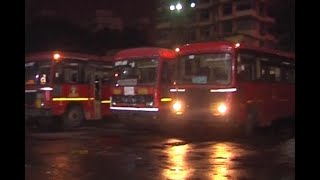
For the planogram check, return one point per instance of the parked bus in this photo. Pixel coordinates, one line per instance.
(142, 77)
(71, 86)
(233, 84)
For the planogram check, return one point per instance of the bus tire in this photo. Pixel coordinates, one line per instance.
(73, 117)
(250, 124)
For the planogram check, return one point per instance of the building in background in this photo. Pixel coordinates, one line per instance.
(105, 19)
(186, 21)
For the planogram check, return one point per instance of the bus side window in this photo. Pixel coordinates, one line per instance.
(291, 75)
(88, 73)
(274, 74)
(74, 77)
(166, 73)
(246, 67)
(263, 68)
(274, 70)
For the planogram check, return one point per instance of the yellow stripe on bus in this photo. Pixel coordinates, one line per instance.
(166, 99)
(72, 99)
(106, 101)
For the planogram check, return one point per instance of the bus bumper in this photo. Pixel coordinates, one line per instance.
(202, 118)
(37, 112)
(134, 114)
(137, 116)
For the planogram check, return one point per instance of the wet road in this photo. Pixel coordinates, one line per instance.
(113, 152)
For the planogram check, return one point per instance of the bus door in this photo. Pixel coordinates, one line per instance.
(96, 87)
(94, 91)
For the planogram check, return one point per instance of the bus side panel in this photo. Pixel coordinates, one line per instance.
(73, 94)
(105, 98)
(285, 95)
(256, 96)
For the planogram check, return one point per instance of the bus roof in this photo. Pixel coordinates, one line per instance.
(227, 46)
(38, 56)
(145, 52)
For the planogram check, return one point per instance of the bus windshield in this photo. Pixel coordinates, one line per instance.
(37, 73)
(136, 72)
(214, 68)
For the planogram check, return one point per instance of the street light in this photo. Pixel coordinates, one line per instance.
(178, 6)
(192, 5)
(172, 7)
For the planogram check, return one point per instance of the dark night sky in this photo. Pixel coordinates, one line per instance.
(78, 9)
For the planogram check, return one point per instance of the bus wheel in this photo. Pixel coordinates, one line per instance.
(73, 117)
(250, 124)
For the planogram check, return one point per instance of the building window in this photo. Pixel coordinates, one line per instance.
(163, 35)
(244, 5)
(262, 10)
(204, 1)
(245, 24)
(163, 19)
(204, 15)
(192, 17)
(191, 35)
(205, 32)
(227, 9)
(263, 29)
(226, 27)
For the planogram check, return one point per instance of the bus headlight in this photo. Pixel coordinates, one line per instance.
(222, 108)
(177, 106)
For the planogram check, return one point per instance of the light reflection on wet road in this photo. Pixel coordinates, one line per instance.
(119, 156)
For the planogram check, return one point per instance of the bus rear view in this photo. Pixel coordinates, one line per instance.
(66, 88)
(141, 78)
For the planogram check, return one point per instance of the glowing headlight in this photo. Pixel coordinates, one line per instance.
(177, 106)
(222, 108)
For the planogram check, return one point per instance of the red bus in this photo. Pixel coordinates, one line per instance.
(142, 80)
(71, 86)
(233, 84)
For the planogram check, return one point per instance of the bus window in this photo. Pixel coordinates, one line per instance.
(37, 73)
(71, 73)
(167, 72)
(291, 75)
(68, 72)
(274, 73)
(136, 71)
(246, 67)
(214, 68)
(263, 63)
(103, 71)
